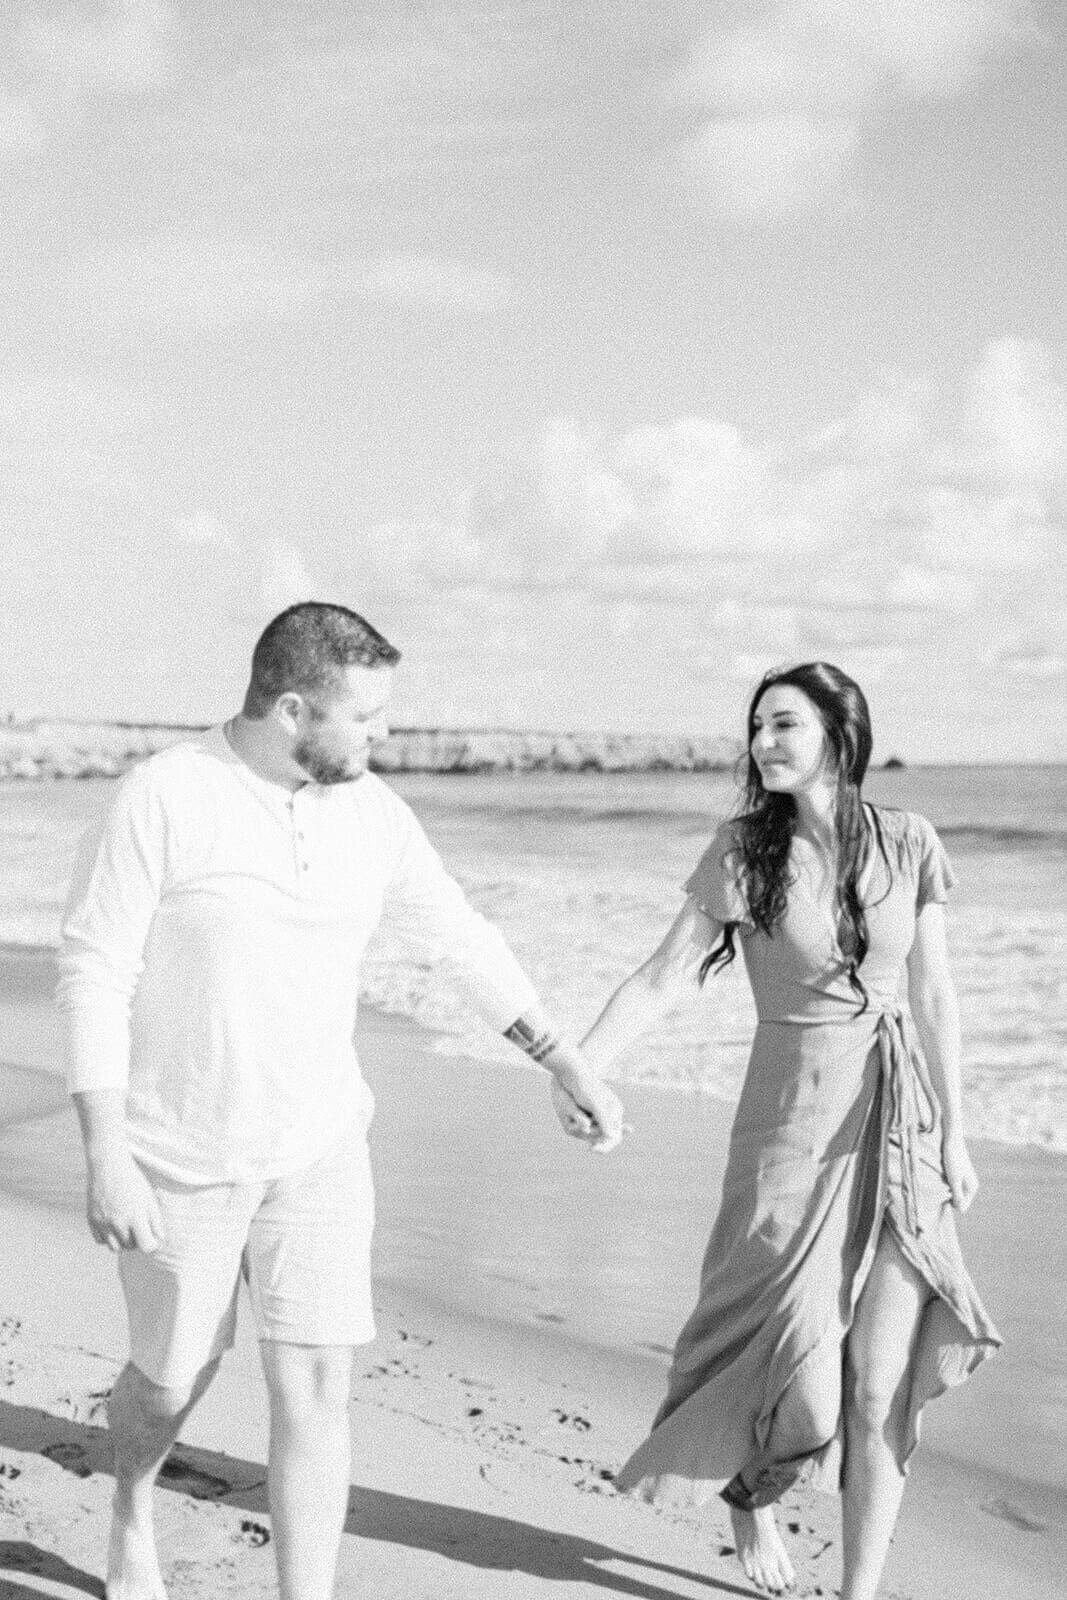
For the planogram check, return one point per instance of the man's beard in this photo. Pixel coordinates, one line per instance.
(322, 768)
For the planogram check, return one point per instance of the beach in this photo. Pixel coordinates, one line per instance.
(594, 423)
(527, 1295)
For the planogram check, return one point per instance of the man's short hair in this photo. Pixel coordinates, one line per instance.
(305, 650)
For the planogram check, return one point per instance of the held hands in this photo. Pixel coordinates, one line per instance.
(587, 1107)
(584, 1104)
(959, 1171)
(122, 1210)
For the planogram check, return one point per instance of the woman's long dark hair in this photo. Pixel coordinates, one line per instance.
(768, 821)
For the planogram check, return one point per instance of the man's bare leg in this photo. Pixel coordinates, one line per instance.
(879, 1354)
(145, 1421)
(309, 1462)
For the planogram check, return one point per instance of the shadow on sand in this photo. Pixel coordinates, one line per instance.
(470, 1538)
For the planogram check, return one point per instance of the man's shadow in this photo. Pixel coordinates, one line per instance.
(470, 1538)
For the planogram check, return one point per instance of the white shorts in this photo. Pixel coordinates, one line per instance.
(302, 1243)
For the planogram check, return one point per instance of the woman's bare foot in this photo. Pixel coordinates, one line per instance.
(132, 1565)
(760, 1549)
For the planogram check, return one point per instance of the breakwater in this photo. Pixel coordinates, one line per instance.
(44, 749)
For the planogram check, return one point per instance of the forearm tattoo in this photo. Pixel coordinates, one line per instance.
(538, 1046)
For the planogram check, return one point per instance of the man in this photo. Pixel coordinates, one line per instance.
(209, 975)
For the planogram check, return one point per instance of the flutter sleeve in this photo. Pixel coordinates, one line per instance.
(935, 874)
(716, 884)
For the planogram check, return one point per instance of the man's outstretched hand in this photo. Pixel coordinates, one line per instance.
(587, 1107)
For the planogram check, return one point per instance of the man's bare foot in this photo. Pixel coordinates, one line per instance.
(761, 1551)
(132, 1565)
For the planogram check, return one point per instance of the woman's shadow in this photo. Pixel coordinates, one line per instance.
(470, 1538)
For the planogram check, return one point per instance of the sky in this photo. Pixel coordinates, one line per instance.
(604, 353)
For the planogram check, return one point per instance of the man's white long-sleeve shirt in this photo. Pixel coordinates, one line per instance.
(211, 956)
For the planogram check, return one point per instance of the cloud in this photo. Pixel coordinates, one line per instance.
(203, 530)
(128, 47)
(765, 166)
(658, 495)
(834, 56)
(21, 129)
(185, 282)
(1039, 665)
(410, 279)
(1017, 415)
(789, 95)
(884, 540)
(282, 578)
(58, 61)
(385, 94)
(929, 589)
(425, 557)
(65, 451)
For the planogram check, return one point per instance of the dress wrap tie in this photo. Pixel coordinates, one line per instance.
(906, 1086)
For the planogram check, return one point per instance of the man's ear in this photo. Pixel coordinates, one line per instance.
(287, 709)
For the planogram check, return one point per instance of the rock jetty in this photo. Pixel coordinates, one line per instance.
(43, 749)
(503, 750)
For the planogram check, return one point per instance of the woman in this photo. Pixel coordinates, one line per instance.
(834, 1300)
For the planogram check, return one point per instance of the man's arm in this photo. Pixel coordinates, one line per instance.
(428, 910)
(586, 1106)
(122, 1209)
(114, 892)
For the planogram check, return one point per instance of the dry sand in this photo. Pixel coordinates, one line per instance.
(526, 1293)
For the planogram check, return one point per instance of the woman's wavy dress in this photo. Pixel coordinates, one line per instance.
(836, 1135)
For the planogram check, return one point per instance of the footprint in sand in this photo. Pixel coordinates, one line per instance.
(490, 1473)
(85, 1408)
(71, 1457)
(10, 1328)
(252, 1533)
(201, 1485)
(601, 1482)
(476, 1383)
(588, 1476)
(495, 1434)
(1009, 1513)
(571, 1419)
(418, 1340)
(393, 1368)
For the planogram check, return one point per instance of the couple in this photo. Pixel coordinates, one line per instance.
(209, 973)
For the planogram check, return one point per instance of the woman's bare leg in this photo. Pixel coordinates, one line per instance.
(878, 1361)
(805, 1419)
(760, 1549)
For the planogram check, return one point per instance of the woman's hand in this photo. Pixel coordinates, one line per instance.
(959, 1170)
(587, 1108)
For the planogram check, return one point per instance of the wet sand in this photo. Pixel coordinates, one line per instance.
(527, 1296)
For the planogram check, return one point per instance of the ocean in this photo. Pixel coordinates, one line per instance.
(581, 871)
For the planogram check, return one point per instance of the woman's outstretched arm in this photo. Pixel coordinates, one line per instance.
(657, 985)
(932, 995)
